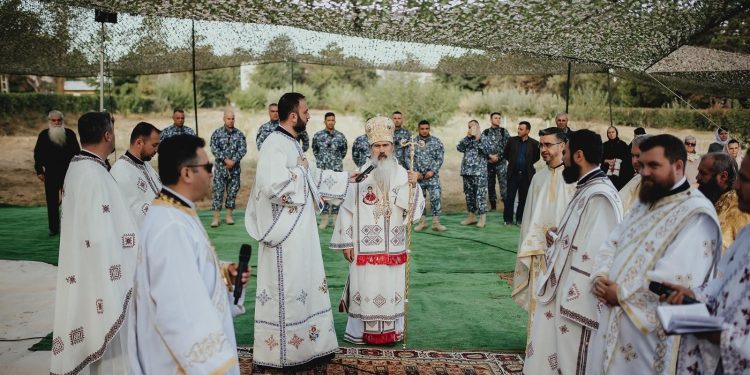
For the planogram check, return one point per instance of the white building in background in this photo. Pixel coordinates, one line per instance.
(78, 88)
(422, 77)
(246, 71)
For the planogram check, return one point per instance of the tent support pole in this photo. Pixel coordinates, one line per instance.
(567, 87)
(195, 86)
(609, 95)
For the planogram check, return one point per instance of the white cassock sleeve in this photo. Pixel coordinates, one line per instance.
(285, 186)
(416, 200)
(687, 261)
(185, 317)
(606, 255)
(342, 237)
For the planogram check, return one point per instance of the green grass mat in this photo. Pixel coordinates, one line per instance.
(456, 299)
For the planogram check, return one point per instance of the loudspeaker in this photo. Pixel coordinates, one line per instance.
(102, 16)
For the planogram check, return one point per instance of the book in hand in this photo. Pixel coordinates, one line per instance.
(683, 319)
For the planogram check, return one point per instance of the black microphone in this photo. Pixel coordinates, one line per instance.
(245, 252)
(660, 289)
(364, 173)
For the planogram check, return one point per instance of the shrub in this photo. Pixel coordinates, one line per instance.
(512, 102)
(252, 99)
(175, 93)
(343, 98)
(417, 100)
(313, 101)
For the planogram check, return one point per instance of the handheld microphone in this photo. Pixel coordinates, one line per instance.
(245, 252)
(364, 173)
(661, 289)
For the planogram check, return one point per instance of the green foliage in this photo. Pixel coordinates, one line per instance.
(274, 76)
(343, 98)
(429, 101)
(512, 102)
(252, 99)
(216, 85)
(463, 81)
(42, 103)
(174, 93)
(313, 100)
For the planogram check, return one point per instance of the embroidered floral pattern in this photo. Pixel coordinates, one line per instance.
(296, 341)
(128, 240)
(271, 342)
(379, 301)
(314, 333)
(71, 279)
(115, 272)
(105, 209)
(77, 336)
(201, 351)
(263, 297)
(99, 306)
(302, 296)
(57, 345)
(324, 287)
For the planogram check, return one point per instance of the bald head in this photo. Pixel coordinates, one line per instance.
(229, 118)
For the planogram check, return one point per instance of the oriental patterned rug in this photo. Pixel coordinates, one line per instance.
(387, 361)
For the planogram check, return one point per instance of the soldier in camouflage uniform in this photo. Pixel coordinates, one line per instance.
(497, 167)
(329, 147)
(266, 129)
(178, 126)
(361, 150)
(398, 135)
(229, 146)
(474, 173)
(427, 162)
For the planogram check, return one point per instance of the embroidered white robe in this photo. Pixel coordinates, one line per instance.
(139, 184)
(677, 240)
(629, 193)
(546, 201)
(95, 273)
(374, 224)
(565, 313)
(728, 297)
(293, 318)
(183, 311)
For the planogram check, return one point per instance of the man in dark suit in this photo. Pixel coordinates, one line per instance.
(54, 149)
(521, 152)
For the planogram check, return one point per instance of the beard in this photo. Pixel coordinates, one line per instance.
(385, 169)
(145, 157)
(711, 190)
(300, 126)
(571, 173)
(57, 135)
(652, 191)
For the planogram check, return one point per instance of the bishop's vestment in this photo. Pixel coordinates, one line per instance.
(139, 184)
(728, 297)
(374, 222)
(98, 246)
(183, 308)
(566, 309)
(676, 239)
(547, 199)
(293, 318)
(629, 193)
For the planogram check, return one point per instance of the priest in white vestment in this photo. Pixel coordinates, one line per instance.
(138, 181)
(97, 261)
(547, 199)
(371, 230)
(629, 192)
(670, 235)
(183, 301)
(566, 309)
(293, 318)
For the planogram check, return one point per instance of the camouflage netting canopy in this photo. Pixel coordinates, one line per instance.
(634, 38)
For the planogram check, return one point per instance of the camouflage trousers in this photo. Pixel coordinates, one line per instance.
(330, 208)
(228, 181)
(475, 190)
(497, 172)
(432, 186)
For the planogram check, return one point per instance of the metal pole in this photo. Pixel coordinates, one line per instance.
(101, 73)
(195, 86)
(291, 68)
(567, 88)
(609, 91)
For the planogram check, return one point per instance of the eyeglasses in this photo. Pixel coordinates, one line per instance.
(208, 166)
(548, 145)
(690, 144)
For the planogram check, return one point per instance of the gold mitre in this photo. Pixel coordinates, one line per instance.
(379, 129)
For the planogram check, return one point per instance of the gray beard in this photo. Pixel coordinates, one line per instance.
(386, 168)
(57, 135)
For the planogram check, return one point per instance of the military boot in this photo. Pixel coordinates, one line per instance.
(215, 222)
(471, 219)
(323, 221)
(482, 221)
(422, 224)
(436, 226)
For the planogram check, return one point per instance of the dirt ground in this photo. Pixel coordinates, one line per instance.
(19, 185)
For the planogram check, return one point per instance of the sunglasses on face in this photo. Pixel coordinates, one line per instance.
(208, 166)
(690, 144)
